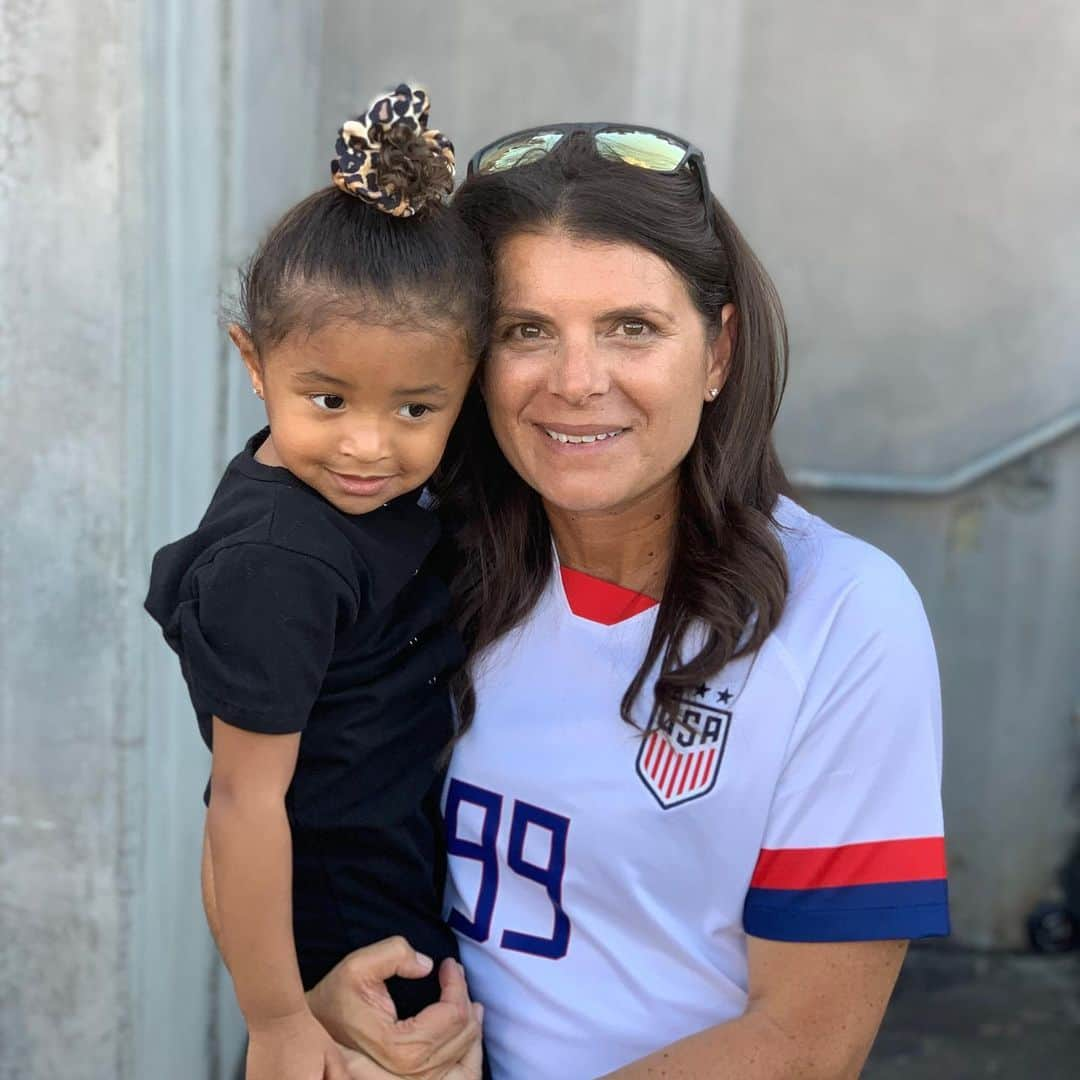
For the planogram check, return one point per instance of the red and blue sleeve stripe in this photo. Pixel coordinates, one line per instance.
(856, 892)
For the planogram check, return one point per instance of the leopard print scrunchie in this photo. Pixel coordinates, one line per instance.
(361, 142)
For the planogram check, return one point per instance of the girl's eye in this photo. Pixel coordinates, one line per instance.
(414, 411)
(328, 402)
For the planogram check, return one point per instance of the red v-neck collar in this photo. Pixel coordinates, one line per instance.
(602, 601)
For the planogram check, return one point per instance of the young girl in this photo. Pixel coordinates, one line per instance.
(314, 645)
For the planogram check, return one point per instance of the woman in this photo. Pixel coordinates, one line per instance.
(693, 816)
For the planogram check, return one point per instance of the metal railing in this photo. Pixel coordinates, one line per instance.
(859, 483)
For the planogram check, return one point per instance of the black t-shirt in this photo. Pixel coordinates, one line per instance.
(291, 616)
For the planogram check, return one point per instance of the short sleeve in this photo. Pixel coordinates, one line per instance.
(854, 846)
(256, 640)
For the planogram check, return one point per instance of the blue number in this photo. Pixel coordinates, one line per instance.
(484, 852)
(550, 876)
(479, 927)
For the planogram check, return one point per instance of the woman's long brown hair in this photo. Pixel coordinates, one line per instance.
(727, 571)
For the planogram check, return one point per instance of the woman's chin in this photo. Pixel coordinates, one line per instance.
(584, 495)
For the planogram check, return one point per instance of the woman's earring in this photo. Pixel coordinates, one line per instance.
(255, 391)
(713, 392)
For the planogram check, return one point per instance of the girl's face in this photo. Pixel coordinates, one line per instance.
(600, 365)
(359, 412)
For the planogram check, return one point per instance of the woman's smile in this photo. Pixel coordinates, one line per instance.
(581, 438)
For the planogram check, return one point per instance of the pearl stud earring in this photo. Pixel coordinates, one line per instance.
(713, 392)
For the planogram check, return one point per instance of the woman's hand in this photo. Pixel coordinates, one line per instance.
(359, 1066)
(354, 1006)
(295, 1047)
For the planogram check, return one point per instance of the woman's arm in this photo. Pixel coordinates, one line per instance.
(812, 1014)
(251, 861)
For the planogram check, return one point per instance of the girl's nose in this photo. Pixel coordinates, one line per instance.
(365, 441)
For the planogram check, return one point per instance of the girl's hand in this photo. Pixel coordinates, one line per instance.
(295, 1047)
(355, 1007)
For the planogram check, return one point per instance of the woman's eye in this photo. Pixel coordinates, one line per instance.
(414, 411)
(525, 332)
(633, 327)
(328, 402)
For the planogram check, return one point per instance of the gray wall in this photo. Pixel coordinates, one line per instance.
(904, 171)
(70, 733)
(910, 178)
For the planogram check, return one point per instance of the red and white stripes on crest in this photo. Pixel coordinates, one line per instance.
(675, 774)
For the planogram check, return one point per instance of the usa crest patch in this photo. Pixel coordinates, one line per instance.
(680, 762)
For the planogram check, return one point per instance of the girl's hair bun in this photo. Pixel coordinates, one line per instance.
(391, 159)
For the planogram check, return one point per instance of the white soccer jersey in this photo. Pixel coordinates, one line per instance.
(602, 884)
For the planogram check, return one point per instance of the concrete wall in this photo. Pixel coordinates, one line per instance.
(180, 1002)
(906, 174)
(909, 174)
(70, 739)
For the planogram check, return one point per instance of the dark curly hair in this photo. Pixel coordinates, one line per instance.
(335, 256)
(727, 572)
(412, 167)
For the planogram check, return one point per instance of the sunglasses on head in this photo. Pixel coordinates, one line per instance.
(643, 147)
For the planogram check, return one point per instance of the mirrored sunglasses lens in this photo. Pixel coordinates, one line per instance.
(520, 151)
(644, 149)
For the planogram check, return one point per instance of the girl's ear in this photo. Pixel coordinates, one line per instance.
(245, 346)
(723, 345)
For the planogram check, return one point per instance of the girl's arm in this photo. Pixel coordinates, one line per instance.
(251, 860)
(812, 1014)
(209, 900)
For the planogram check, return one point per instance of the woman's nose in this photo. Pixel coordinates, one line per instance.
(578, 371)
